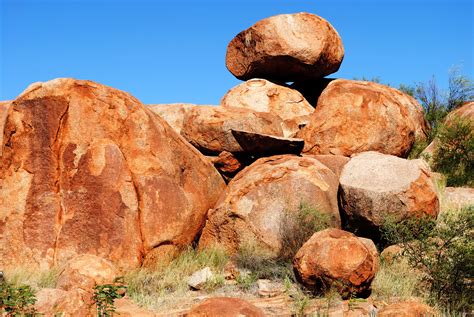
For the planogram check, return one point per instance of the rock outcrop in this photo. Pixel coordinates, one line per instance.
(335, 162)
(58, 302)
(264, 96)
(287, 47)
(337, 259)
(357, 116)
(374, 186)
(225, 306)
(88, 169)
(4, 107)
(407, 309)
(173, 113)
(251, 210)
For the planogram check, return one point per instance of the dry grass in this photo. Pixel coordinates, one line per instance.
(35, 278)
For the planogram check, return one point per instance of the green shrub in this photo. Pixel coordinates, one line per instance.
(454, 155)
(297, 227)
(17, 300)
(104, 296)
(443, 251)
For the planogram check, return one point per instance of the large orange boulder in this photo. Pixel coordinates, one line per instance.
(225, 306)
(287, 47)
(256, 200)
(357, 116)
(87, 169)
(264, 96)
(337, 259)
(209, 128)
(172, 113)
(374, 186)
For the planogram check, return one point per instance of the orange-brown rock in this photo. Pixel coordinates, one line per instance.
(57, 302)
(338, 259)
(85, 271)
(335, 162)
(227, 164)
(287, 47)
(225, 306)
(172, 113)
(4, 107)
(466, 112)
(407, 309)
(209, 128)
(87, 169)
(125, 307)
(374, 186)
(255, 201)
(357, 116)
(391, 253)
(264, 96)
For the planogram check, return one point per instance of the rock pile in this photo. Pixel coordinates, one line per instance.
(92, 179)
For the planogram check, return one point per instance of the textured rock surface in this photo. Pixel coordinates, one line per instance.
(267, 145)
(252, 207)
(357, 116)
(227, 164)
(209, 128)
(173, 113)
(89, 169)
(225, 306)
(339, 259)
(286, 48)
(126, 308)
(199, 278)
(466, 111)
(264, 96)
(335, 162)
(406, 309)
(58, 302)
(4, 107)
(86, 271)
(375, 185)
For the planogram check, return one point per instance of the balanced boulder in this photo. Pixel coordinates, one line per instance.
(256, 200)
(357, 116)
(87, 169)
(375, 186)
(337, 259)
(264, 96)
(286, 48)
(209, 128)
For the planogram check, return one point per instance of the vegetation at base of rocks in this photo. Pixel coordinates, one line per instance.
(36, 278)
(17, 300)
(104, 296)
(149, 287)
(454, 155)
(297, 227)
(443, 251)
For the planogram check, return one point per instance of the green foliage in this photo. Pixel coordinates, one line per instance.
(17, 300)
(104, 296)
(297, 227)
(454, 154)
(443, 251)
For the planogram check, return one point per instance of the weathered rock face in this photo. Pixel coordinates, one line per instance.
(264, 96)
(54, 302)
(407, 309)
(357, 116)
(335, 162)
(86, 271)
(4, 107)
(209, 128)
(251, 210)
(269, 49)
(374, 186)
(173, 113)
(225, 306)
(339, 259)
(88, 169)
(466, 111)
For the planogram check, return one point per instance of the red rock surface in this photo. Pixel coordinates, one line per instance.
(335, 162)
(209, 128)
(287, 47)
(264, 96)
(357, 116)
(58, 302)
(339, 259)
(225, 306)
(374, 186)
(4, 107)
(89, 169)
(407, 309)
(173, 113)
(85, 271)
(254, 202)
(466, 111)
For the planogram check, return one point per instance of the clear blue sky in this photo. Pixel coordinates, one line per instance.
(174, 50)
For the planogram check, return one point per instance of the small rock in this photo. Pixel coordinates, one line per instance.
(225, 306)
(199, 278)
(267, 288)
(406, 309)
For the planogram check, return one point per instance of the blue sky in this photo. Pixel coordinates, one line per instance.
(174, 50)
